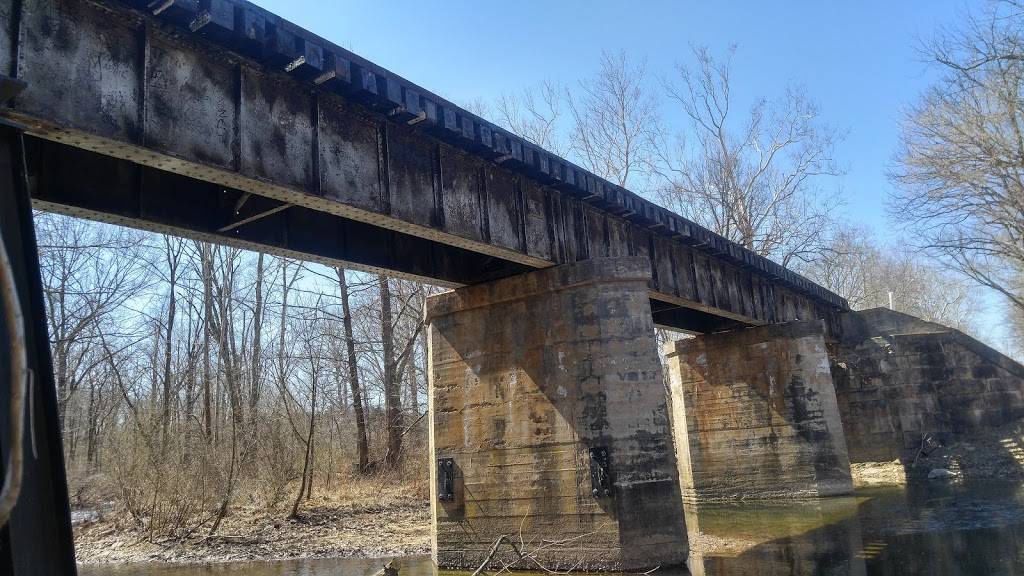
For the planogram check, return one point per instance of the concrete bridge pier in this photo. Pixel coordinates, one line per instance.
(755, 414)
(549, 422)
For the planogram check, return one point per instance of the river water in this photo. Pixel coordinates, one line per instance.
(935, 529)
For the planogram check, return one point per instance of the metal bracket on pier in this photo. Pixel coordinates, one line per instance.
(445, 479)
(600, 472)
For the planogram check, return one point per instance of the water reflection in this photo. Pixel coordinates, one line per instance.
(805, 537)
(939, 528)
(936, 529)
(945, 529)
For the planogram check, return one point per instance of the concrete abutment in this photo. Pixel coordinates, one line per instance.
(906, 386)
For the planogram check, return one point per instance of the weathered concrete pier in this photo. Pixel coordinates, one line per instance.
(756, 415)
(548, 419)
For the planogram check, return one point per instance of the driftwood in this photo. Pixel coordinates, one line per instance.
(928, 445)
(389, 569)
(531, 557)
(490, 555)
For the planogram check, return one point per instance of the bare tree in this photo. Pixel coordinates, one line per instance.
(88, 274)
(854, 266)
(534, 114)
(206, 263)
(173, 248)
(847, 266)
(960, 166)
(224, 283)
(1015, 338)
(179, 352)
(312, 356)
(753, 178)
(362, 445)
(613, 118)
(255, 374)
(392, 384)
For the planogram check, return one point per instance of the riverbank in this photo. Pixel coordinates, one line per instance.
(388, 521)
(371, 518)
(994, 454)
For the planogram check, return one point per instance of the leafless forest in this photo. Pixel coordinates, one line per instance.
(194, 377)
(189, 375)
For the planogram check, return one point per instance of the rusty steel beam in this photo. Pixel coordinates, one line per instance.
(224, 92)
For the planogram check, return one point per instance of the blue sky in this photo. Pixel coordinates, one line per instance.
(859, 61)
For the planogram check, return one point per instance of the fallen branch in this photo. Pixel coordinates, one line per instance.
(530, 558)
(490, 555)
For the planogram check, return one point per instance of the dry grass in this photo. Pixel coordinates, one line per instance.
(358, 517)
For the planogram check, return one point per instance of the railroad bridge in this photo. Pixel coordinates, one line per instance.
(220, 121)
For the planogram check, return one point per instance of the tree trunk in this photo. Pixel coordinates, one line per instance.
(172, 303)
(362, 445)
(190, 378)
(92, 429)
(392, 386)
(410, 376)
(70, 437)
(341, 380)
(312, 463)
(207, 271)
(60, 361)
(309, 451)
(282, 376)
(225, 339)
(154, 375)
(222, 511)
(255, 376)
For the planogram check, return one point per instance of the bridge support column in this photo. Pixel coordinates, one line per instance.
(37, 539)
(549, 422)
(755, 415)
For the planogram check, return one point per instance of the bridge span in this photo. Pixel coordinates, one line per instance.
(216, 119)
